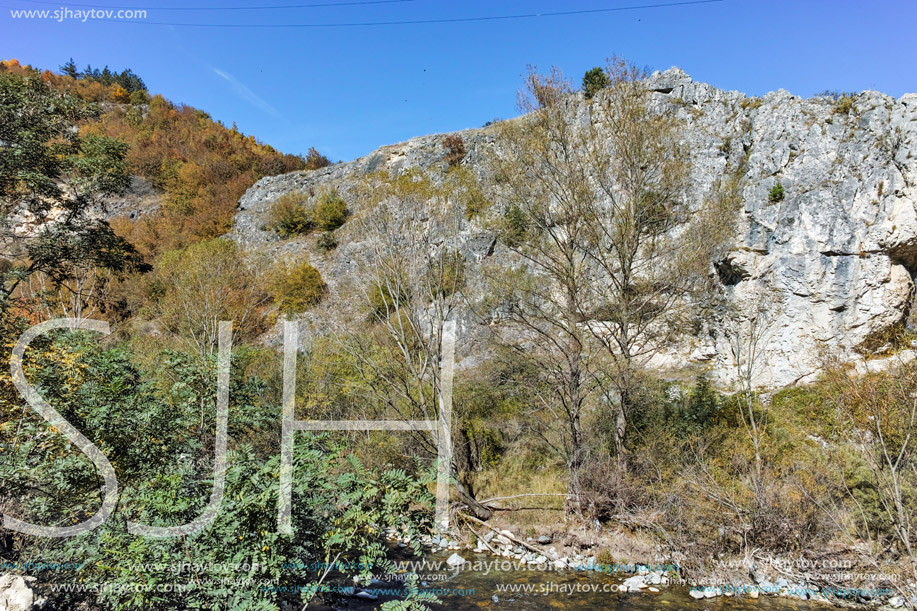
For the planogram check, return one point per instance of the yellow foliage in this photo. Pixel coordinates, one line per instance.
(120, 95)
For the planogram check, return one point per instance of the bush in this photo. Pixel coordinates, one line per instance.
(455, 150)
(451, 273)
(327, 241)
(290, 216)
(195, 287)
(139, 97)
(514, 226)
(330, 211)
(777, 194)
(751, 103)
(384, 300)
(844, 104)
(594, 81)
(340, 508)
(298, 288)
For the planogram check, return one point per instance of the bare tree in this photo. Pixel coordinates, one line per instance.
(596, 205)
(80, 294)
(749, 335)
(411, 280)
(881, 417)
(204, 284)
(542, 166)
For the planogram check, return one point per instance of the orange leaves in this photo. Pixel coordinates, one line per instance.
(120, 95)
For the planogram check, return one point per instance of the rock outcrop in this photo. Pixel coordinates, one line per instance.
(15, 593)
(833, 261)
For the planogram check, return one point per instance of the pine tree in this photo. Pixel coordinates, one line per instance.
(69, 69)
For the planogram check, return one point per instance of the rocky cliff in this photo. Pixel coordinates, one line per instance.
(832, 262)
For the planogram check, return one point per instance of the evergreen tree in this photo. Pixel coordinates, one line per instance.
(69, 69)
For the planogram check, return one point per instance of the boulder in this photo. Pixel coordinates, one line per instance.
(15, 594)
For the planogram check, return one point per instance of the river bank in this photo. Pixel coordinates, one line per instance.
(622, 569)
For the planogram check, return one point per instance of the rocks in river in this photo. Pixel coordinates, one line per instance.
(365, 595)
(539, 559)
(696, 594)
(635, 583)
(455, 560)
(710, 592)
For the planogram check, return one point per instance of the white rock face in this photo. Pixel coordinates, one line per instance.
(833, 262)
(15, 594)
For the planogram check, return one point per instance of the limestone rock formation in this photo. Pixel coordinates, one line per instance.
(832, 261)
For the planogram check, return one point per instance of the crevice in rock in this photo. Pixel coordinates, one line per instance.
(730, 272)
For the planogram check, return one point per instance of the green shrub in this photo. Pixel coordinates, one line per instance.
(330, 211)
(514, 226)
(290, 217)
(385, 299)
(327, 241)
(139, 97)
(844, 104)
(297, 288)
(777, 194)
(594, 81)
(451, 273)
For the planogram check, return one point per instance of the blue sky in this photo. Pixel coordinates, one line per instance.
(349, 89)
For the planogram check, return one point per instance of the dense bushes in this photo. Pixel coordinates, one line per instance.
(297, 288)
(296, 214)
(156, 428)
(330, 211)
(289, 216)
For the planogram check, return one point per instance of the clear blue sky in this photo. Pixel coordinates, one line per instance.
(348, 90)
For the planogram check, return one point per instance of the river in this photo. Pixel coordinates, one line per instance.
(463, 590)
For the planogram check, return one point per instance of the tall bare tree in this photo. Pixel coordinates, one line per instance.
(411, 280)
(596, 203)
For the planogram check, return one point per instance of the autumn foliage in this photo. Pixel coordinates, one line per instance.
(202, 166)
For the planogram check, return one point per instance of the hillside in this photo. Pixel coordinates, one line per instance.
(189, 169)
(832, 259)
